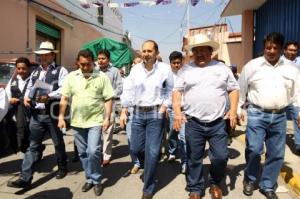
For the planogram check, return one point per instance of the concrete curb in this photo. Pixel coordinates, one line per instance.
(287, 174)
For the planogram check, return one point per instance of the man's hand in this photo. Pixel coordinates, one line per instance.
(105, 125)
(232, 116)
(14, 101)
(61, 123)
(42, 98)
(123, 118)
(179, 119)
(298, 121)
(27, 102)
(162, 109)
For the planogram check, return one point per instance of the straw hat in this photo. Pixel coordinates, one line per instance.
(202, 40)
(45, 48)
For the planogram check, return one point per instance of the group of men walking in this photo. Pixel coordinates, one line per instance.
(196, 97)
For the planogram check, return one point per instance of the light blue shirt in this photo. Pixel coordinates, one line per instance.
(115, 78)
(297, 61)
(148, 88)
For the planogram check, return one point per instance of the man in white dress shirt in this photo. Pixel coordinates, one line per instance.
(269, 83)
(148, 90)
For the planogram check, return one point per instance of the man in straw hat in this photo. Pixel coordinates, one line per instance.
(44, 103)
(205, 85)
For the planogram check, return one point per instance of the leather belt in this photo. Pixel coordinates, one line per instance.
(208, 124)
(146, 108)
(274, 111)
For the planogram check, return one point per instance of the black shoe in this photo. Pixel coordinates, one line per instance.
(98, 189)
(269, 194)
(61, 173)
(86, 187)
(248, 188)
(75, 158)
(19, 183)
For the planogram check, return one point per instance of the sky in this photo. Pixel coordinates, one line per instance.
(167, 24)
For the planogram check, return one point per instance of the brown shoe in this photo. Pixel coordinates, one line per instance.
(134, 169)
(194, 196)
(215, 192)
(146, 196)
(105, 163)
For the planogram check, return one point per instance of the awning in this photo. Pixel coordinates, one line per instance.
(120, 54)
(237, 7)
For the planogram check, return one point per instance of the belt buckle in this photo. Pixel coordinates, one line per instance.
(147, 108)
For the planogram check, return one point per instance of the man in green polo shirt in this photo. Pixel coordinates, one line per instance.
(91, 95)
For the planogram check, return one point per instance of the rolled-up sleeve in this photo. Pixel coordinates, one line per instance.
(179, 81)
(62, 75)
(108, 91)
(127, 95)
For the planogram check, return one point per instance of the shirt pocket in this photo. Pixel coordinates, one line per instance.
(288, 81)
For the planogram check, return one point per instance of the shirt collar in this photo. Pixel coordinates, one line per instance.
(95, 73)
(52, 65)
(279, 62)
(19, 78)
(153, 69)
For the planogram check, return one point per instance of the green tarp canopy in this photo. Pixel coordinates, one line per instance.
(120, 54)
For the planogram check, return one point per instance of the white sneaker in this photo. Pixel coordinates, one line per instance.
(183, 169)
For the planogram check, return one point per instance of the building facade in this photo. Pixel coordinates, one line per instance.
(260, 17)
(230, 43)
(66, 23)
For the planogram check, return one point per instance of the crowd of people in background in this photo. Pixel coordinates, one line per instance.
(193, 103)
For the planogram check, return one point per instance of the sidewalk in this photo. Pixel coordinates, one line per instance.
(170, 183)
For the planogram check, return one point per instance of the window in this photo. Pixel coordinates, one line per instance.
(100, 15)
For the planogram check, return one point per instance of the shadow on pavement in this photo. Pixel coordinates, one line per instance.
(233, 172)
(120, 152)
(63, 193)
(46, 165)
(37, 183)
(114, 172)
(166, 173)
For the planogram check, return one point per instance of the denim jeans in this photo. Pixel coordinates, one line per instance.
(196, 134)
(39, 125)
(134, 158)
(271, 129)
(146, 137)
(292, 113)
(176, 139)
(88, 142)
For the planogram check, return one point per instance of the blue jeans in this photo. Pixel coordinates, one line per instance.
(39, 125)
(88, 142)
(146, 137)
(134, 158)
(176, 138)
(271, 129)
(196, 134)
(292, 113)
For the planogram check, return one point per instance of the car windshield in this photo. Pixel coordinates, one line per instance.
(6, 71)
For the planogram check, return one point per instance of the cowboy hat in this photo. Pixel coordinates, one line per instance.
(45, 48)
(202, 40)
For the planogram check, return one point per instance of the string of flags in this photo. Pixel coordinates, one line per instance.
(85, 4)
